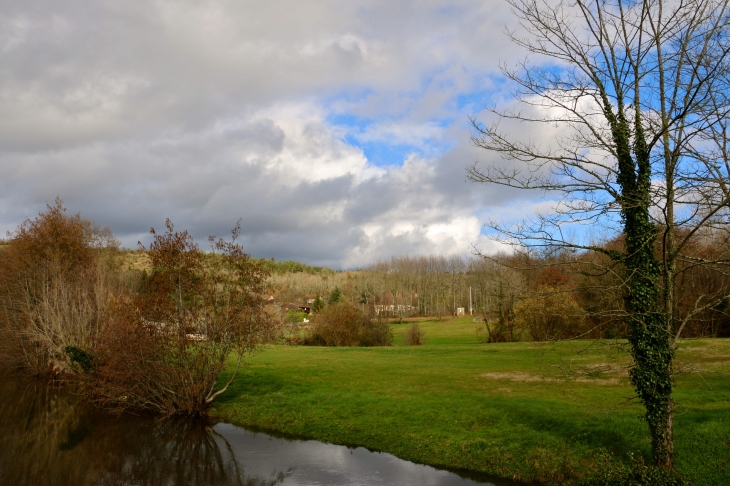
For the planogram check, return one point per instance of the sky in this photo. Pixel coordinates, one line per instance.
(337, 131)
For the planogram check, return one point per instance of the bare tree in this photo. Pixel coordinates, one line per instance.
(497, 287)
(637, 95)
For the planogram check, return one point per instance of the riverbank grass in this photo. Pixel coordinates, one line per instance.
(525, 411)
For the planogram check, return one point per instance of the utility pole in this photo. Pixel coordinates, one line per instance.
(470, 308)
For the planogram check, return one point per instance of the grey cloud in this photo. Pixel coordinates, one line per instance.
(106, 69)
(134, 112)
(202, 184)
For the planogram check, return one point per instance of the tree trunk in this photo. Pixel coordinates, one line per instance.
(651, 344)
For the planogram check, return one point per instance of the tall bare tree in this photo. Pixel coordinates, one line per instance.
(637, 95)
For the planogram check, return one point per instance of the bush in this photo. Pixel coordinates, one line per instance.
(414, 336)
(164, 348)
(159, 343)
(338, 325)
(345, 325)
(57, 279)
(376, 333)
(553, 313)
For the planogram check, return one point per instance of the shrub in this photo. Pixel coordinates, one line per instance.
(414, 336)
(551, 314)
(164, 348)
(344, 325)
(57, 280)
(338, 325)
(376, 333)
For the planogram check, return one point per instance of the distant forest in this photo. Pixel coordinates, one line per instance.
(524, 296)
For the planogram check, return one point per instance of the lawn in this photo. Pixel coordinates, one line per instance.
(526, 411)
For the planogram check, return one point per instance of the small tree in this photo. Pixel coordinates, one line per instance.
(335, 296)
(165, 348)
(318, 304)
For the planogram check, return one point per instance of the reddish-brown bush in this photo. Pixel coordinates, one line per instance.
(164, 348)
(342, 324)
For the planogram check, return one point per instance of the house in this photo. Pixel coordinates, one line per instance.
(393, 304)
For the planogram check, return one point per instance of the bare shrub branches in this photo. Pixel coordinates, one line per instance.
(414, 335)
(57, 280)
(165, 347)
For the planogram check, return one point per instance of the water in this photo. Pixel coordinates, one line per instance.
(48, 437)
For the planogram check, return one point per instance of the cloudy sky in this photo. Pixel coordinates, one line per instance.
(337, 130)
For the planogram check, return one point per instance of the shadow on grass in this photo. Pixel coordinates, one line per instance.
(595, 431)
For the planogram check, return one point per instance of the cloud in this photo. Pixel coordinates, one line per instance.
(206, 112)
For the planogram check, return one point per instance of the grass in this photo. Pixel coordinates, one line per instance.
(501, 409)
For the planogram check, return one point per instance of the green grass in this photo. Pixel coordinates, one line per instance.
(503, 409)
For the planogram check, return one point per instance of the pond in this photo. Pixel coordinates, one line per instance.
(49, 437)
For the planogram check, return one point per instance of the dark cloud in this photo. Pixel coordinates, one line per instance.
(204, 113)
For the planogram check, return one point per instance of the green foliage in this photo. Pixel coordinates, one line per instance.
(636, 473)
(318, 304)
(79, 357)
(296, 315)
(335, 296)
(651, 344)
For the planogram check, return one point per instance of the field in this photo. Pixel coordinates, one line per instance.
(525, 411)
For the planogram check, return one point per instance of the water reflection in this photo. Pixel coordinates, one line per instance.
(47, 437)
(317, 463)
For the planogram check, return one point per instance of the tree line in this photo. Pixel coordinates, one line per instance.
(521, 296)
